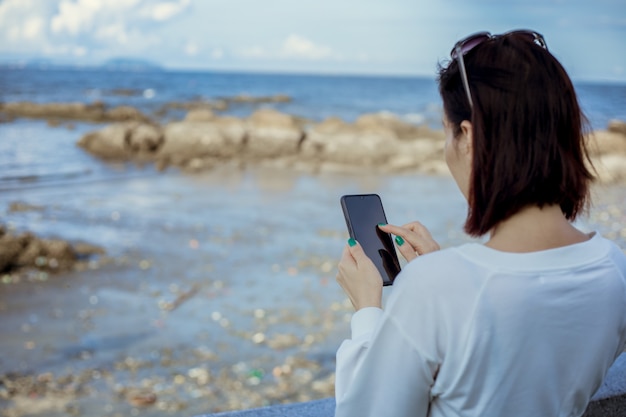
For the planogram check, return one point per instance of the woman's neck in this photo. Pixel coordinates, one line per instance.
(534, 229)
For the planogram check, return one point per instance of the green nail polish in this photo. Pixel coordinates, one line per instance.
(382, 224)
(399, 241)
(351, 242)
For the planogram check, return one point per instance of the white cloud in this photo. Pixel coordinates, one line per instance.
(293, 47)
(165, 10)
(217, 53)
(191, 48)
(79, 51)
(75, 17)
(33, 27)
(298, 47)
(115, 32)
(254, 52)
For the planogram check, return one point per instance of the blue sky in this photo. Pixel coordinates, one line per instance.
(322, 36)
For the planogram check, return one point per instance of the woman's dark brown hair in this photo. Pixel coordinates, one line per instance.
(528, 131)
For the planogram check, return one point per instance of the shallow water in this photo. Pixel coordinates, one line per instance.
(216, 264)
(231, 269)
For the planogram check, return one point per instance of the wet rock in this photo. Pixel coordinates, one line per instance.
(123, 141)
(18, 206)
(199, 115)
(385, 121)
(604, 142)
(611, 168)
(144, 139)
(271, 134)
(28, 251)
(94, 112)
(244, 98)
(336, 141)
(617, 126)
(110, 142)
(125, 92)
(124, 113)
(188, 140)
(10, 249)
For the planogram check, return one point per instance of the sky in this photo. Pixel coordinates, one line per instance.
(386, 37)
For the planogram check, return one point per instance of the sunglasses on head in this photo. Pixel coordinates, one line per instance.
(465, 45)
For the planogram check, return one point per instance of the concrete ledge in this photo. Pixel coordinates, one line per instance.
(609, 401)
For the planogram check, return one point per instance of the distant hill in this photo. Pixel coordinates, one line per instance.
(130, 64)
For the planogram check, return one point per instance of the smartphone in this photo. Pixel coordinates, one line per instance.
(363, 213)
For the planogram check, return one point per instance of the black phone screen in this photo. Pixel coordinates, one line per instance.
(363, 213)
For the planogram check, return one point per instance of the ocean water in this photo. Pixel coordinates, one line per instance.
(260, 247)
(32, 152)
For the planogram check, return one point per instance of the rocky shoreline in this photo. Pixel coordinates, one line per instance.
(203, 140)
(379, 142)
(21, 253)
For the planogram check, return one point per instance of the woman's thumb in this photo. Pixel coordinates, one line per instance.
(356, 250)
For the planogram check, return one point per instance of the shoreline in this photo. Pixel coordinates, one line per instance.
(184, 323)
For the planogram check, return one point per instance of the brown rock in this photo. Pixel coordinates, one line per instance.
(10, 247)
(110, 142)
(29, 254)
(271, 134)
(200, 115)
(617, 126)
(188, 140)
(124, 113)
(145, 139)
(59, 253)
(413, 154)
(610, 168)
(602, 142)
(95, 112)
(244, 98)
(336, 141)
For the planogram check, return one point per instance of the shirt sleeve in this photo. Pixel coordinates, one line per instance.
(379, 372)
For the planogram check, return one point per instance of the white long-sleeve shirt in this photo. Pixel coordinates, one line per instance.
(471, 331)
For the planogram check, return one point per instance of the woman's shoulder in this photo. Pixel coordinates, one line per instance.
(442, 267)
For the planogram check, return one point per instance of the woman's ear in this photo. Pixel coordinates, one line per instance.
(466, 141)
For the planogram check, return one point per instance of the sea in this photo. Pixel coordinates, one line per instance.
(28, 153)
(237, 266)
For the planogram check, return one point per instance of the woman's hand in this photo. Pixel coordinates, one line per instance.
(359, 277)
(415, 239)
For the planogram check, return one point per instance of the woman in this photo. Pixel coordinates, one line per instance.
(526, 324)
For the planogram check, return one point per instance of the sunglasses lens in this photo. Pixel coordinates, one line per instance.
(469, 43)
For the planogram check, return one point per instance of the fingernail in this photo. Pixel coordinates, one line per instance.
(382, 224)
(351, 242)
(399, 241)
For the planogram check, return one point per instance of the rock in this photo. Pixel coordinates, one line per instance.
(110, 142)
(55, 248)
(610, 168)
(336, 141)
(125, 92)
(10, 248)
(54, 110)
(244, 98)
(124, 113)
(28, 255)
(602, 142)
(617, 126)
(199, 115)
(271, 134)
(144, 139)
(94, 112)
(188, 140)
(413, 154)
(28, 251)
(122, 141)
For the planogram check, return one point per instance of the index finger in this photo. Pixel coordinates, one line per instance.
(396, 230)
